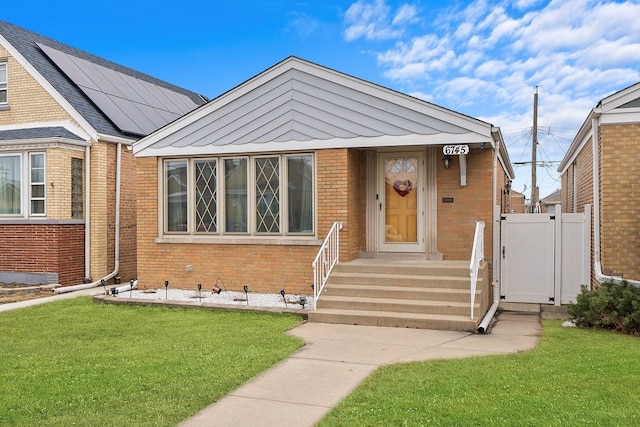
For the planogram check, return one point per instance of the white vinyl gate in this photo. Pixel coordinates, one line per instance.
(544, 258)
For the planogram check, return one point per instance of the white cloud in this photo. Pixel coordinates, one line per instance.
(373, 20)
(302, 24)
(490, 68)
(486, 58)
(406, 14)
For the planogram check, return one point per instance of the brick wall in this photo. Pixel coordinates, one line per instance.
(264, 268)
(28, 101)
(619, 196)
(44, 248)
(59, 182)
(342, 197)
(456, 221)
(128, 220)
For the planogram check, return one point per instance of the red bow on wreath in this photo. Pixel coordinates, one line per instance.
(403, 187)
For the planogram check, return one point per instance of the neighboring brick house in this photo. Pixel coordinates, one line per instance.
(246, 187)
(602, 169)
(548, 204)
(67, 123)
(517, 202)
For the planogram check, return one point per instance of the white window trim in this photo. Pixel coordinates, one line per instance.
(221, 235)
(25, 185)
(285, 179)
(5, 83)
(4, 64)
(43, 183)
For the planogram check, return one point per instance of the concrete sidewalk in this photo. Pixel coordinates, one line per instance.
(53, 297)
(336, 358)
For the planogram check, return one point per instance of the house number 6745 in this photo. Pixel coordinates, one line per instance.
(449, 150)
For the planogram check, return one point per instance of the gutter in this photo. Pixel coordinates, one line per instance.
(117, 234)
(495, 247)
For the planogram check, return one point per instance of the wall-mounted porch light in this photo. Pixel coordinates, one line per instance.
(447, 161)
(507, 188)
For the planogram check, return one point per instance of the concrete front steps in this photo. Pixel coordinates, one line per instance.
(408, 294)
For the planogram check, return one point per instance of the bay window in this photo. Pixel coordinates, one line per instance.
(22, 184)
(269, 195)
(10, 181)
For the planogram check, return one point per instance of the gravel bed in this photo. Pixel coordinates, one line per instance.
(224, 297)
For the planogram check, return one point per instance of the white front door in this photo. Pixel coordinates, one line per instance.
(400, 200)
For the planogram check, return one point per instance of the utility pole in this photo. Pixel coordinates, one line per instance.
(534, 149)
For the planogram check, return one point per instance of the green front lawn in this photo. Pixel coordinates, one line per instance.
(75, 362)
(575, 377)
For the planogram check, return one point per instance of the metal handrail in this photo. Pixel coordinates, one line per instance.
(328, 256)
(477, 256)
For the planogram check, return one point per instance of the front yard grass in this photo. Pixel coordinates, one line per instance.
(75, 362)
(574, 377)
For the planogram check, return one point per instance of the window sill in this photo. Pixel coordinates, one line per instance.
(240, 240)
(4, 107)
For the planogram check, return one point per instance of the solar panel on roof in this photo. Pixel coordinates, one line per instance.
(135, 106)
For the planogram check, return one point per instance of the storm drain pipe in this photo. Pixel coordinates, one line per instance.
(482, 328)
(117, 236)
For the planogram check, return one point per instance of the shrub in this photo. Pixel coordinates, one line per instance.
(611, 306)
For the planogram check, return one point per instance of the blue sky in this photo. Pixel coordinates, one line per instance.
(481, 58)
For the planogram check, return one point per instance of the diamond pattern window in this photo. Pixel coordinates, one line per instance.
(206, 196)
(267, 194)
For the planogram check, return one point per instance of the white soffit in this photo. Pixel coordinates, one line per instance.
(296, 103)
(135, 106)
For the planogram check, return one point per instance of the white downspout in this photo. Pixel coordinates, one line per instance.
(597, 263)
(496, 247)
(87, 222)
(117, 236)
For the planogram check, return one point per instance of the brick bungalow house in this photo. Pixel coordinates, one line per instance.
(601, 168)
(548, 203)
(67, 123)
(246, 187)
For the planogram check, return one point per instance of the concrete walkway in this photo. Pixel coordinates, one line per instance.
(336, 358)
(54, 297)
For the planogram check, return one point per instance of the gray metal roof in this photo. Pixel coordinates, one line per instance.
(103, 120)
(631, 104)
(38, 133)
(300, 101)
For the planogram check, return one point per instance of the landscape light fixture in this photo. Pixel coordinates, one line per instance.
(283, 298)
(200, 291)
(130, 287)
(217, 289)
(166, 288)
(246, 293)
(104, 286)
(446, 160)
(303, 301)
